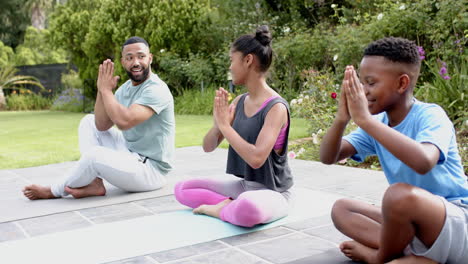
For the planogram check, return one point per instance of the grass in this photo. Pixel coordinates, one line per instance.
(43, 137)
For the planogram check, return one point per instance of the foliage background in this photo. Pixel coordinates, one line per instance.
(190, 41)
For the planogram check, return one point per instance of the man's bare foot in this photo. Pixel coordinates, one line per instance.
(211, 210)
(358, 252)
(95, 188)
(36, 192)
(412, 259)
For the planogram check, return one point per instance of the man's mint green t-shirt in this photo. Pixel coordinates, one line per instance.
(155, 137)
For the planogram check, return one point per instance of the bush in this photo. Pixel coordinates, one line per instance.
(448, 88)
(318, 101)
(27, 101)
(70, 100)
(196, 102)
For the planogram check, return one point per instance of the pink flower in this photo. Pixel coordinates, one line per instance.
(421, 52)
(446, 77)
(291, 155)
(333, 95)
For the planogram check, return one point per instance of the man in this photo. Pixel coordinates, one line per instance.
(135, 158)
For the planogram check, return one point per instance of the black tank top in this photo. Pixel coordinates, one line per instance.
(275, 173)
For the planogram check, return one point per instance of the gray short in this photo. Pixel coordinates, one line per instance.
(451, 246)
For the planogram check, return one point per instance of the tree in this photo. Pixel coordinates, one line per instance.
(9, 80)
(93, 31)
(38, 11)
(6, 55)
(13, 22)
(36, 49)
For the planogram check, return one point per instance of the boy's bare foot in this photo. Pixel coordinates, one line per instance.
(358, 252)
(212, 210)
(36, 192)
(95, 188)
(412, 259)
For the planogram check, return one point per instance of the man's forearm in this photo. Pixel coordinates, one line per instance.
(117, 113)
(102, 120)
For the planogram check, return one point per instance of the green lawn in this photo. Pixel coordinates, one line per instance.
(43, 137)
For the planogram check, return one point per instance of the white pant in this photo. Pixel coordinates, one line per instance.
(104, 154)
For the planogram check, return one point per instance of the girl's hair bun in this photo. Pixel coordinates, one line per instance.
(263, 35)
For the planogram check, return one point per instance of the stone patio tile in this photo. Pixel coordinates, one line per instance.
(162, 204)
(47, 173)
(112, 213)
(256, 236)
(188, 251)
(311, 222)
(329, 233)
(332, 256)
(11, 186)
(288, 248)
(136, 260)
(10, 231)
(360, 188)
(227, 256)
(53, 223)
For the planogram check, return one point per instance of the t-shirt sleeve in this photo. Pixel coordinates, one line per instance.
(436, 128)
(155, 96)
(362, 142)
(118, 94)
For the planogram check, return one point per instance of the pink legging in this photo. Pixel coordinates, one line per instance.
(252, 203)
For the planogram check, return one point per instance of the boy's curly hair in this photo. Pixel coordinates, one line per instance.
(394, 49)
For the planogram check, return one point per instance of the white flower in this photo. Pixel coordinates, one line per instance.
(402, 7)
(306, 97)
(379, 16)
(293, 101)
(286, 30)
(335, 57)
(315, 139)
(162, 50)
(300, 151)
(333, 5)
(299, 101)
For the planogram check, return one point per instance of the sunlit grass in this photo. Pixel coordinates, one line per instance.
(43, 137)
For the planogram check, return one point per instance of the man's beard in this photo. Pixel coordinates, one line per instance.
(140, 78)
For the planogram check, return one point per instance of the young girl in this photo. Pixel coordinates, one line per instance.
(256, 125)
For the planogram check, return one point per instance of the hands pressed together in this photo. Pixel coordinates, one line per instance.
(353, 103)
(223, 112)
(106, 80)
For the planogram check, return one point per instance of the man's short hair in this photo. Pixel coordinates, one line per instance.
(134, 40)
(394, 49)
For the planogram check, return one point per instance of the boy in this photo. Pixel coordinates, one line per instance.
(426, 206)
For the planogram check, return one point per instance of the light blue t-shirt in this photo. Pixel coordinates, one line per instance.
(424, 123)
(155, 137)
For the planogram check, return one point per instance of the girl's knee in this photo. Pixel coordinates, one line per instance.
(179, 191)
(248, 213)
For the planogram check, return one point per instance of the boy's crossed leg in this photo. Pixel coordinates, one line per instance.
(382, 234)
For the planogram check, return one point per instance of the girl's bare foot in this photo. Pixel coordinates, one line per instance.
(212, 210)
(36, 192)
(95, 188)
(358, 252)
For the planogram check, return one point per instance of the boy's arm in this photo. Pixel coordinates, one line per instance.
(124, 118)
(421, 157)
(333, 148)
